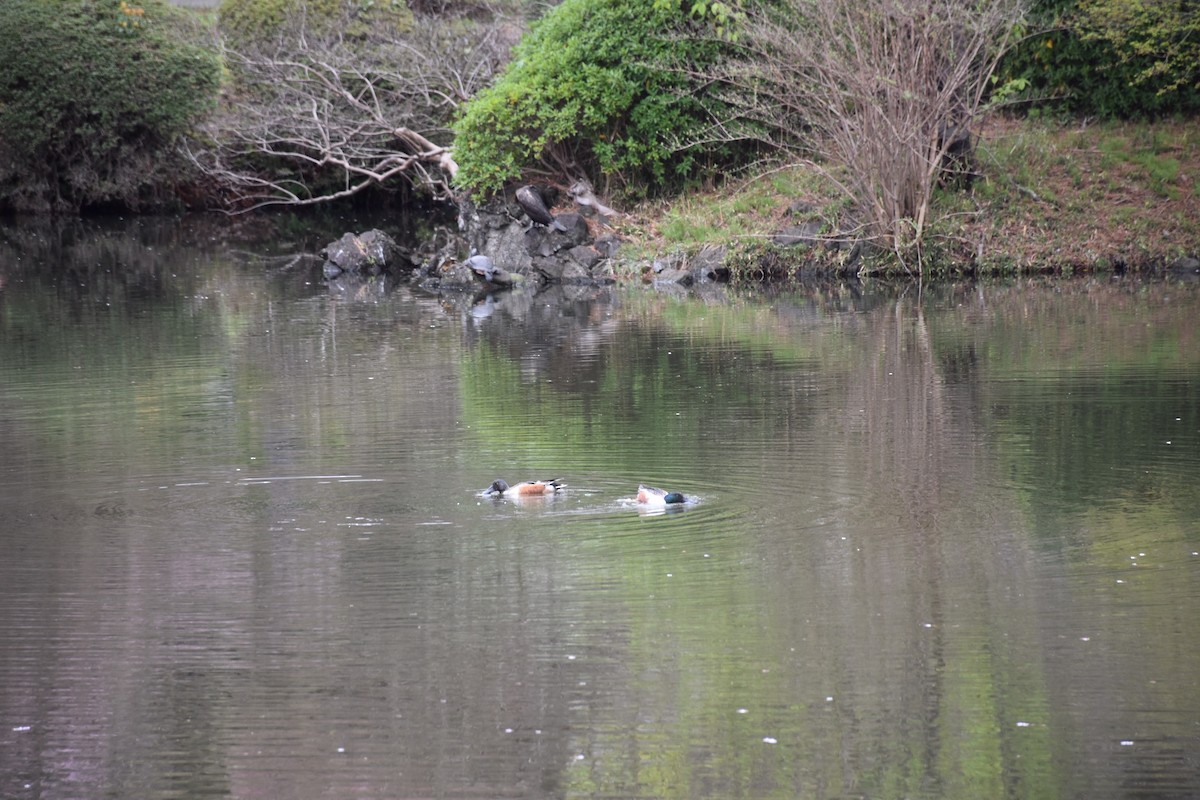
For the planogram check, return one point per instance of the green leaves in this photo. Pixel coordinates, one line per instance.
(603, 80)
(1110, 57)
(85, 102)
(1161, 40)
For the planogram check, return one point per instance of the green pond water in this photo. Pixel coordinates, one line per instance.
(939, 543)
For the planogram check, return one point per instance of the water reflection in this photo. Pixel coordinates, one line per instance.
(944, 543)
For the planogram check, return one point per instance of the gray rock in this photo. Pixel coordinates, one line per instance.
(574, 227)
(709, 264)
(585, 256)
(451, 275)
(561, 270)
(607, 244)
(804, 233)
(674, 277)
(561, 252)
(372, 253)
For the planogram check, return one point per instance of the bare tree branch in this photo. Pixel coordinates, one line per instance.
(873, 93)
(319, 118)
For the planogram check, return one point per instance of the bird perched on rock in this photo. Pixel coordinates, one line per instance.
(533, 203)
(484, 267)
(584, 196)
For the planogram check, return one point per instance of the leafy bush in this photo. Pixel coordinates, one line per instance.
(1160, 39)
(246, 23)
(596, 86)
(93, 94)
(1109, 58)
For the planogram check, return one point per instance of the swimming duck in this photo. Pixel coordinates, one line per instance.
(649, 496)
(525, 489)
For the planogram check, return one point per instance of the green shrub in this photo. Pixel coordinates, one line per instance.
(1159, 38)
(246, 23)
(597, 86)
(93, 95)
(1085, 58)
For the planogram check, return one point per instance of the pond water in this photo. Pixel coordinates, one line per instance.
(939, 544)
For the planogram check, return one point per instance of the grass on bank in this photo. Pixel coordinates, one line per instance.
(1049, 197)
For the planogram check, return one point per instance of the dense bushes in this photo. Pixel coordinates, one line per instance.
(93, 94)
(249, 23)
(597, 87)
(1110, 58)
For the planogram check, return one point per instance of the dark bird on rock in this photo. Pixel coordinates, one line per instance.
(534, 205)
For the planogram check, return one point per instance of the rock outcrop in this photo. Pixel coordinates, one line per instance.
(569, 247)
(369, 253)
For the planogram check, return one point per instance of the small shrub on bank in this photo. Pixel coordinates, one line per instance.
(599, 87)
(93, 96)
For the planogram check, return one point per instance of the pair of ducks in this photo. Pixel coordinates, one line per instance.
(646, 495)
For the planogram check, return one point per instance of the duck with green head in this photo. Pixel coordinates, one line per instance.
(658, 498)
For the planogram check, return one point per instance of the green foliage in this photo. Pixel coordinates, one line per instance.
(249, 22)
(598, 85)
(1160, 39)
(93, 93)
(1110, 58)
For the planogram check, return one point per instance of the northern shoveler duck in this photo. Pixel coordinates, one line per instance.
(525, 489)
(659, 498)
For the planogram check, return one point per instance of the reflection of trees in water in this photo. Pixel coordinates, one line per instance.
(600, 369)
(131, 264)
(895, 594)
(890, 431)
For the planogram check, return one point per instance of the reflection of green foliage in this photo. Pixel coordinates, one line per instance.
(783, 338)
(695, 654)
(148, 339)
(1099, 443)
(1076, 434)
(142, 393)
(641, 383)
(970, 721)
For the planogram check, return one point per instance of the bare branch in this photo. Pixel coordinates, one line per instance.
(875, 93)
(317, 118)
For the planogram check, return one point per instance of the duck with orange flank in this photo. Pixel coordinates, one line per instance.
(658, 498)
(524, 489)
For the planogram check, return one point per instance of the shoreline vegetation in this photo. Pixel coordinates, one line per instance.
(726, 133)
(1051, 196)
